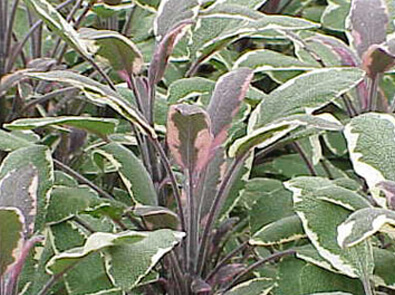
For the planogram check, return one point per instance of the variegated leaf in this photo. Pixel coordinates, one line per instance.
(118, 51)
(282, 231)
(368, 20)
(371, 152)
(55, 21)
(320, 219)
(99, 94)
(18, 189)
(132, 172)
(335, 14)
(128, 264)
(11, 236)
(101, 126)
(362, 224)
(229, 91)
(297, 277)
(189, 136)
(34, 182)
(10, 142)
(66, 202)
(305, 94)
(98, 241)
(173, 12)
(264, 60)
(156, 217)
(164, 49)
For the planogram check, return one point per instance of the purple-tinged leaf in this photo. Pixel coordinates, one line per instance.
(227, 273)
(223, 229)
(377, 59)
(347, 56)
(229, 91)
(117, 50)
(199, 286)
(18, 189)
(11, 236)
(189, 136)
(388, 187)
(163, 51)
(173, 12)
(368, 21)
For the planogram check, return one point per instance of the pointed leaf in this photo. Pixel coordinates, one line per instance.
(163, 51)
(121, 53)
(173, 12)
(11, 236)
(306, 93)
(101, 126)
(128, 264)
(132, 172)
(229, 91)
(55, 21)
(320, 220)
(362, 224)
(368, 20)
(371, 151)
(264, 60)
(189, 136)
(335, 14)
(100, 94)
(96, 242)
(224, 23)
(282, 231)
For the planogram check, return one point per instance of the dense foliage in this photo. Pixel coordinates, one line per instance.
(197, 147)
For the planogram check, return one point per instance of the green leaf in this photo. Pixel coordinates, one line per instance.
(267, 201)
(20, 160)
(99, 94)
(297, 277)
(98, 241)
(10, 142)
(128, 264)
(189, 137)
(282, 231)
(259, 286)
(54, 20)
(321, 217)
(121, 53)
(264, 60)
(132, 172)
(156, 217)
(305, 94)
(67, 202)
(370, 150)
(184, 89)
(335, 14)
(173, 12)
(263, 136)
(89, 275)
(362, 224)
(11, 236)
(100, 126)
(383, 274)
(221, 24)
(18, 189)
